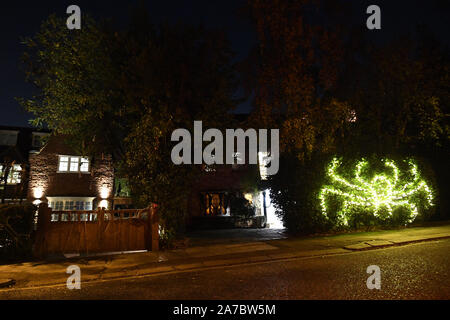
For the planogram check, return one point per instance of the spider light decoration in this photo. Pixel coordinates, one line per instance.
(383, 193)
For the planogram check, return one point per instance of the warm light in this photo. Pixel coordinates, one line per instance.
(104, 192)
(38, 193)
(249, 197)
(37, 202)
(384, 192)
(103, 204)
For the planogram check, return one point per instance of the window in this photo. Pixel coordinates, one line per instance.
(63, 164)
(14, 175)
(8, 137)
(73, 164)
(38, 139)
(215, 204)
(84, 165)
(70, 203)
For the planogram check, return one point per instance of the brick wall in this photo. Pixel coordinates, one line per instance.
(45, 179)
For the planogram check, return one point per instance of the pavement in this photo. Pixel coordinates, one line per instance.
(202, 253)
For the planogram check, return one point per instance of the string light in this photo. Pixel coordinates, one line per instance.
(385, 192)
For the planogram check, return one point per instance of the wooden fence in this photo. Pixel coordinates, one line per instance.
(96, 231)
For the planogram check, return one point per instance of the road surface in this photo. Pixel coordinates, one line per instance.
(416, 271)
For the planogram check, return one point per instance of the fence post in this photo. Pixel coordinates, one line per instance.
(154, 227)
(43, 226)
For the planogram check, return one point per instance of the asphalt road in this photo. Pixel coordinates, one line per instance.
(416, 271)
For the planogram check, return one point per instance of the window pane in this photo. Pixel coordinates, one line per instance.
(88, 205)
(15, 174)
(84, 167)
(74, 164)
(63, 163)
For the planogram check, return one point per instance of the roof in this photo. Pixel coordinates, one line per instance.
(19, 152)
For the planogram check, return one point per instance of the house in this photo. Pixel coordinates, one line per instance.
(16, 143)
(67, 180)
(223, 196)
(231, 195)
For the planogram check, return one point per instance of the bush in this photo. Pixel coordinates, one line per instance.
(379, 191)
(241, 207)
(16, 226)
(310, 198)
(294, 194)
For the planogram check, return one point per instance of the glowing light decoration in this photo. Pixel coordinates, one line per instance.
(380, 193)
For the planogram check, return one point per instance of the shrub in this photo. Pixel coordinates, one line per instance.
(16, 225)
(322, 193)
(242, 207)
(359, 192)
(293, 192)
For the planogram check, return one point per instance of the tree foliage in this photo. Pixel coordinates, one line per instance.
(125, 91)
(297, 66)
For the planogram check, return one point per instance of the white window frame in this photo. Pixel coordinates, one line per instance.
(64, 203)
(80, 160)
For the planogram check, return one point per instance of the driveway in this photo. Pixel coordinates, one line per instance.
(238, 235)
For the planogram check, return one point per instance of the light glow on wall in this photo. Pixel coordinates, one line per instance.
(103, 204)
(38, 192)
(104, 192)
(384, 192)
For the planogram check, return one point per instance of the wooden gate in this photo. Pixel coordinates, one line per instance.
(101, 230)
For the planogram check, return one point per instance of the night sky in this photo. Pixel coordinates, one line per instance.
(23, 18)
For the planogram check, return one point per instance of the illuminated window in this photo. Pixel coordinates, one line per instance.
(70, 203)
(84, 165)
(73, 164)
(14, 175)
(215, 204)
(63, 164)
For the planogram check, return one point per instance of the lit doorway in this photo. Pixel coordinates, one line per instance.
(273, 221)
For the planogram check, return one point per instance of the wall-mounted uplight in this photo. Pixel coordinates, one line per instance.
(104, 192)
(38, 193)
(103, 204)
